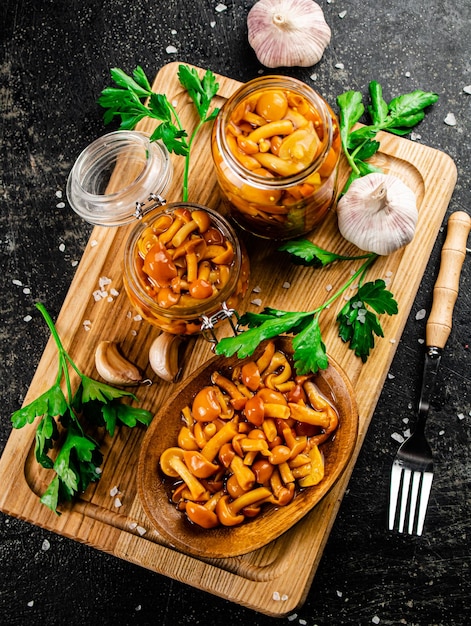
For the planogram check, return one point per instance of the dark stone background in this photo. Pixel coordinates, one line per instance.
(56, 56)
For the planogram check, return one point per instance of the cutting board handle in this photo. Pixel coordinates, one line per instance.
(446, 288)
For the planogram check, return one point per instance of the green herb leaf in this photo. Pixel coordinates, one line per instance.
(46, 433)
(201, 91)
(95, 390)
(78, 455)
(51, 402)
(397, 117)
(357, 324)
(309, 350)
(307, 253)
(379, 108)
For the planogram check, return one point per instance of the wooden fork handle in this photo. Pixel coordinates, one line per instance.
(446, 288)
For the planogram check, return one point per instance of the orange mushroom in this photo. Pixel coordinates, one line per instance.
(229, 512)
(172, 464)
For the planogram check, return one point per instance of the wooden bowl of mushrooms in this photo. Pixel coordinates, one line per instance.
(244, 449)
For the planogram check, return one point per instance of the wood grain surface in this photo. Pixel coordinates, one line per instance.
(288, 564)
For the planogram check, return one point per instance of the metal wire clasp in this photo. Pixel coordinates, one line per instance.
(155, 201)
(208, 323)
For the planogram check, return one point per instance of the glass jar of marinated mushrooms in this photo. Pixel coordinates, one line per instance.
(182, 265)
(115, 174)
(276, 148)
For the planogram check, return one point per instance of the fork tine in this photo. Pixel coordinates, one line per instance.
(396, 472)
(424, 497)
(413, 499)
(406, 474)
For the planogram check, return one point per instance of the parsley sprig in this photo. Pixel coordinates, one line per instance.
(133, 99)
(398, 117)
(78, 459)
(357, 320)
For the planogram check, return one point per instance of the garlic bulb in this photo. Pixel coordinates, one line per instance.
(378, 213)
(286, 33)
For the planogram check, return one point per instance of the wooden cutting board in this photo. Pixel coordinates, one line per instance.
(287, 565)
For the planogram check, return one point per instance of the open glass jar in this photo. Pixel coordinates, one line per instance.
(182, 265)
(115, 174)
(276, 147)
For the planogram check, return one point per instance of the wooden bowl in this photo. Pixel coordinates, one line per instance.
(225, 541)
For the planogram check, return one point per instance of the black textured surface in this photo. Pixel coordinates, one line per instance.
(56, 56)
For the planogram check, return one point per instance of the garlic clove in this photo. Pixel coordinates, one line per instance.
(378, 213)
(113, 367)
(286, 33)
(163, 356)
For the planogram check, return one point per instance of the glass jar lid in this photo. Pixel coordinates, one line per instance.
(116, 175)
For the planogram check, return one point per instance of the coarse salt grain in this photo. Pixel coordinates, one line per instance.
(286, 285)
(406, 433)
(60, 205)
(284, 597)
(27, 318)
(212, 24)
(339, 66)
(26, 291)
(74, 263)
(171, 50)
(391, 376)
(406, 419)
(17, 282)
(303, 622)
(375, 619)
(117, 503)
(141, 530)
(328, 288)
(461, 416)
(415, 136)
(313, 76)
(339, 593)
(450, 119)
(103, 281)
(257, 289)
(114, 491)
(420, 314)
(114, 292)
(58, 193)
(467, 89)
(276, 596)
(220, 8)
(393, 341)
(173, 31)
(62, 247)
(137, 318)
(133, 526)
(93, 243)
(397, 437)
(45, 545)
(138, 607)
(407, 74)
(342, 14)
(256, 302)
(421, 340)
(134, 333)
(31, 603)
(291, 618)
(441, 432)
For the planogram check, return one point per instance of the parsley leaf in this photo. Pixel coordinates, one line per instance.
(133, 100)
(78, 455)
(398, 117)
(357, 323)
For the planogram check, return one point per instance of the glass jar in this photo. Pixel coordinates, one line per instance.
(115, 175)
(276, 148)
(183, 265)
